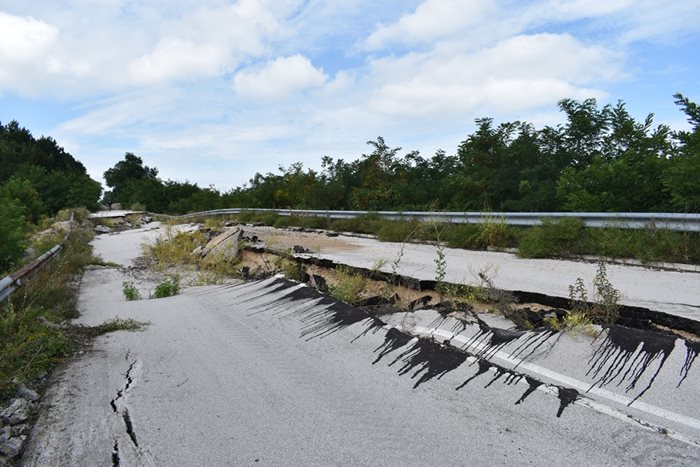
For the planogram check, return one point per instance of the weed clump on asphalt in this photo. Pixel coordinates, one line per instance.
(290, 269)
(574, 321)
(349, 286)
(168, 288)
(119, 324)
(175, 248)
(605, 307)
(130, 291)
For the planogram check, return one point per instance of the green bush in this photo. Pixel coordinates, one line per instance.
(130, 291)
(167, 288)
(367, 224)
(397, 231)
(245, 217)
(284, 221)
(28, 346)
(463, 236)
(647, 245)
(314, 222)
(29, 343)
(291, 269)
(605, 306)
(349, 286)
(564, 237)
(12, 234)
(175, 247)
(494, 232)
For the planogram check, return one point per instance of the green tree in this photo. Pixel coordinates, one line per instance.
(59, 179)
(12, 234)
(22, 193)
(122, 177)
(681, 177)
(625, 172)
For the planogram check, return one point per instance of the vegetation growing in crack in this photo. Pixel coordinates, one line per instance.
(168, 288)
(349, 286)
(290, 269)
(116, 324)
(130, 291)
(605, 307)
(175, 247)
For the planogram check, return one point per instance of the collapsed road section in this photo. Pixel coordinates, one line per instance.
(274, 371)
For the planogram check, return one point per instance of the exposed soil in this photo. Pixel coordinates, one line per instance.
(314, 242)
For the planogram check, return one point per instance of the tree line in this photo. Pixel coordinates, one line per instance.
(600, 159)
(37, 179)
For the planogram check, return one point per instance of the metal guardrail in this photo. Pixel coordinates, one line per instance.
(15, 280)
(629, 220)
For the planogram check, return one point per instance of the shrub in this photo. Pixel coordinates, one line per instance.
(349, 286)
(245, 216)
(291, 269)
(605, 307)
(267, 218)
(214, 223)
(462, 236)
(167, 288)
(130, 291)
(367, 224)
(314, 222)
(28, 346)
(494, 232)
(29, 341)
(284, 221)
(12, 234)
(553, 238)
(397, 231)
(175, 248)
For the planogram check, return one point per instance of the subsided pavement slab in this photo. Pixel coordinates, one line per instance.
(673, 292)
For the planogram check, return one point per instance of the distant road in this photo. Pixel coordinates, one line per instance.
(265, 373)
(673, 292)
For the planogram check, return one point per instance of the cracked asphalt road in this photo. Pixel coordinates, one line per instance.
(266, 374)
(673, 292)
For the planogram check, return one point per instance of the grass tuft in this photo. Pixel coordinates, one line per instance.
(349, 286)
(130, 291)
(168, 288)
(119, 324)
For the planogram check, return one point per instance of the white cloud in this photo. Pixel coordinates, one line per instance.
(24, 39)
(280, 78)
(176, 59)
(25, 47)
(433, 19)
(517, 74)
(192, 81)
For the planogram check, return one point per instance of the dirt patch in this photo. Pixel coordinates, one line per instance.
(314, 242)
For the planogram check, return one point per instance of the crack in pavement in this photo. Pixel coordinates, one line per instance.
(115, 454)
(119, 407)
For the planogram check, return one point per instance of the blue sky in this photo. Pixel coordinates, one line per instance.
(212, 91)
